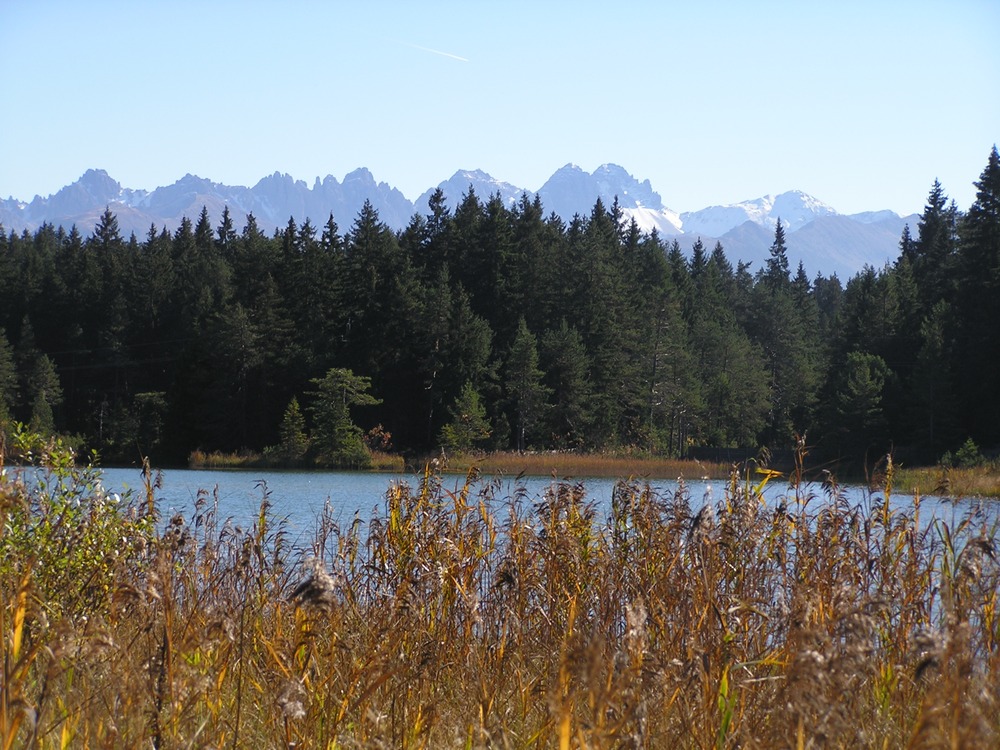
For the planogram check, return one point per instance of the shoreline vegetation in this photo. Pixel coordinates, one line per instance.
(982, 480)
(535, 463)
(449, 618)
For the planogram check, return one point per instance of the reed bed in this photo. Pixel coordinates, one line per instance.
(467, 619)
(972, 481)
(570, 464)
(380, 461)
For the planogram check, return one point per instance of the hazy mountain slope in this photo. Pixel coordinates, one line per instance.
(824, 240)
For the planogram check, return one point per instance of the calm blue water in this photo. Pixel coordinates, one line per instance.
(300, 496)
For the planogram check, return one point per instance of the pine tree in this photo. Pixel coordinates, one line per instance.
(907, 245)
(107, 235)
(857, 404)
(787, 341)
(45, 393)
(203, 233)
(608, 323)
(202, 276)
(829, 295)
(232, 399)
(380, 308)
(699, 259)
(294, 442)
(152, 279)
(226, 235)
(379, 299)
(498, 289)
(336, 440)
(729, 397)
(436, 247)
(776, 272)
(8, 380)
(935, 250)
(534, 249)
(565, 363)
(526, 393)
(468, 426)
(451, 346)
(933, 399)
(978, 306)
(664, 368)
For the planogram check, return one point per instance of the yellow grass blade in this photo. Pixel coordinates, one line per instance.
(20, 610)
(564, 731)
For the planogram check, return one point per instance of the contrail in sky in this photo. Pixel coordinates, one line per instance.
(437, 52)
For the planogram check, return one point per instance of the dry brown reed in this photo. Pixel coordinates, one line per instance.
(573, 464)
(468, 619)
(973, 481)
(380, 461)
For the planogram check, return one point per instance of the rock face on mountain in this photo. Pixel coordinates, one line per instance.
(456, 187)
(822, 239)
(572, 191)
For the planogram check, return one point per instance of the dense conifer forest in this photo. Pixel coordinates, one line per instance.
(495, 327)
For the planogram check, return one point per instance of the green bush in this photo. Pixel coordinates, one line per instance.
(61, 529)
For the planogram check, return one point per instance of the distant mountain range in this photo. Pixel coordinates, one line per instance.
(824, 240)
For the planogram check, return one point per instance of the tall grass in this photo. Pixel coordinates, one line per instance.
(460, 619)
(569, 464)
(380, 461)
(972, 481)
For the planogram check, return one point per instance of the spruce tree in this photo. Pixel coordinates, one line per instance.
(44, 394)
(336, 439)
(776, 272)
(436, 249)
(226, 235)
(978, 306)
(468, 426)
(293, 441)
(8, 380)
(107, 235)
(788, 344)
(564, 361)
(933, 401)
(935, 251)
(526, 393)
(857, 404)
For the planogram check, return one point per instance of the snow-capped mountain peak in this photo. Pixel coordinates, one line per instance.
(795, 209)
(829, 242)
(572, 191)
(485, 186)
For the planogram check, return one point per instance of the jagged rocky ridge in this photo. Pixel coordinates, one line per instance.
(824, 240)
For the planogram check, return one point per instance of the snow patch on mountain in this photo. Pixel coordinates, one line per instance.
(664, 221)
(484, 185)
(794, 208)
(572, 191)
(874, 217)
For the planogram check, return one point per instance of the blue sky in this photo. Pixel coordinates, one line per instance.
(861, 104)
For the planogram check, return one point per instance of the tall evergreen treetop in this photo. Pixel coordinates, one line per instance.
(776, 272)
(107, 234)
(934, 259)
(226, 233)
(978, 301)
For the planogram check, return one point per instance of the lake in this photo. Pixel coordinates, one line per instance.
(300, 496)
